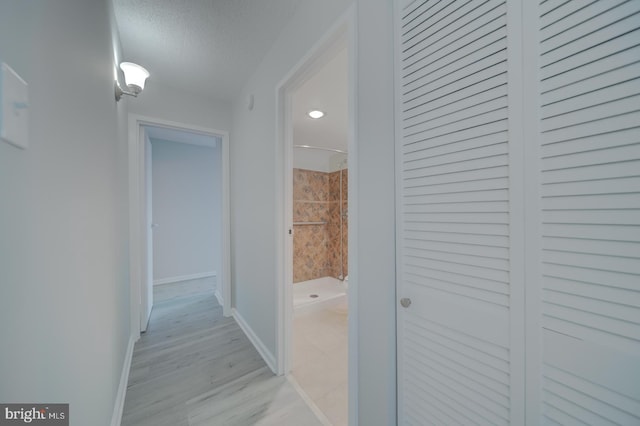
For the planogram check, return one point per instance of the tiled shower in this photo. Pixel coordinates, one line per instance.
(320, 210)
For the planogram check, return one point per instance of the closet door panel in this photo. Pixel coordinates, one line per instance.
(454, 356)
(590, 213)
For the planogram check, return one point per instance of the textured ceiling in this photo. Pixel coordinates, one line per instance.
(209, 47)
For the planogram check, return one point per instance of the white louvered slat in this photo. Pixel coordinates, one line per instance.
(589, 114)
(455, 34)
(590, 275)
(613, 248)
(613, 154)
(561, 11)
(570, 187)
(593, 232)
(471, 283)
(593, 291)
(589, 55)
(480, 206)
(456, 98)
(460, 104)
(481, 158)
(453, 205)
(490, 274)
(464, 57)
(564, 44)
(465, 114)
(596, 142)
(457, 187)
(590, 200)
(483, 240)
(587, 20)
(611, 123)
(590, 99)
(604, 72)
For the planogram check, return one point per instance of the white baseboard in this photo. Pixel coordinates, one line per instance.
(118, 407)
(307, 399)
(170, 280)
(219, 296)
(268, 357)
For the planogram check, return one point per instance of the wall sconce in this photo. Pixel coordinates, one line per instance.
(134, 77)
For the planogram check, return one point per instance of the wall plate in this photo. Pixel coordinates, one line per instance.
(14, 108)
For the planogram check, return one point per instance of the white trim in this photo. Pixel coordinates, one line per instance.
(137, 219)
(266, 355)
(118, 406)
(397, 164)
(322, 418)
(341, 33)
(530, 49)
(517, 167)
(170, 280)
(352, 231)
(219, 297)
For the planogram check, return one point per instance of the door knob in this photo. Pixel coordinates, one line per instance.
(405, 302)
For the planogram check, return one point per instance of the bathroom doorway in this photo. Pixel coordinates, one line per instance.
(313, 339)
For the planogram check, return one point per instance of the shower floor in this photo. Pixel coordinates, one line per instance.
(329, 291)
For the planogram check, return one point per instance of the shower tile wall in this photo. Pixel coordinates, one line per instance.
(316, 248)
(333, 226)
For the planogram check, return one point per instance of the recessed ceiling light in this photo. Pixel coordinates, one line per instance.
(316, 114)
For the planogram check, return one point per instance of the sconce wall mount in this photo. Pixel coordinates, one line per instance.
(134, 77)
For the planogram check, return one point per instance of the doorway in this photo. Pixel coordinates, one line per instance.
(142, 130)
(340, 40)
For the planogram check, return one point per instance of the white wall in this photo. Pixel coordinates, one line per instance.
(167, 103)
(375, 253)
(253, 150)
(64, 302)
(312, 159)
(187, 208)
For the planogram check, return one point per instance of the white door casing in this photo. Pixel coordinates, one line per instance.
(140, 222)
(147, 292)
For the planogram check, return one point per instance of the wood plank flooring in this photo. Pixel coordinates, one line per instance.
(194, 367)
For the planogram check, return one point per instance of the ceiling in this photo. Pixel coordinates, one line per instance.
(209, 47)
(327, 91)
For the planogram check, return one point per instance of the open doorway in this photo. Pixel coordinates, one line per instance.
(316, 335)
(185, 211)
(320, 243)
(187, 253)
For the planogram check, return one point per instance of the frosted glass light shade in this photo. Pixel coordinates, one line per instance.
(315, 114)
(134, 75)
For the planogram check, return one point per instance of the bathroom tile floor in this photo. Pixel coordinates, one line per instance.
(320, 345)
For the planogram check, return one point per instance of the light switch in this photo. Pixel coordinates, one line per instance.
(14, 108)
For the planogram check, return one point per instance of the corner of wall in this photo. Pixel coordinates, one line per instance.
(268, 357)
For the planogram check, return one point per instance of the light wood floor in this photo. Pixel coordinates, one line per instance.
(194, 367)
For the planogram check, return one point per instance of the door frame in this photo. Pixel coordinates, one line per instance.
(341, 34)
(138, 221)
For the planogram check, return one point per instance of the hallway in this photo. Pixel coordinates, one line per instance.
(195, 367)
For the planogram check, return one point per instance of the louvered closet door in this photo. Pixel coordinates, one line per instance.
(590, 220)
(453, 213)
